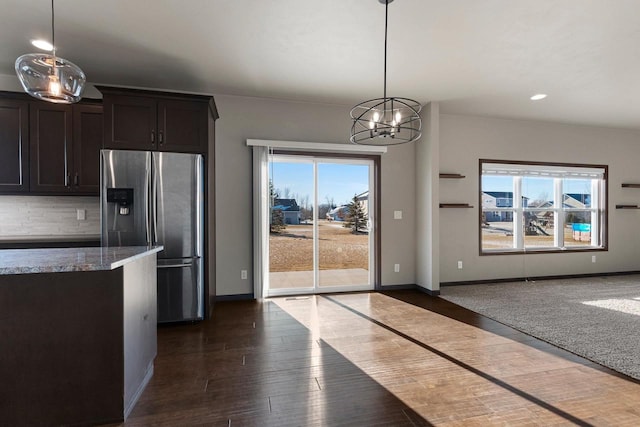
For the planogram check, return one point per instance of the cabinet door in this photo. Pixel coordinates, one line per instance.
(182, 126)
(14, 146)
(87, 142)
(50, 142)
(130, 122)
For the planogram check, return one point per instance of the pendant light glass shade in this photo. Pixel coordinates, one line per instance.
(386, 120)
(50, 78)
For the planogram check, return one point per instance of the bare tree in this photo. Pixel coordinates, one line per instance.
(330, 202)
(324, 208)
(304, 201)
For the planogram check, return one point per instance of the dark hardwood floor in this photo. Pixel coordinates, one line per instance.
(398, 358)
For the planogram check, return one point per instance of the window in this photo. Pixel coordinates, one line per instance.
(541, 207)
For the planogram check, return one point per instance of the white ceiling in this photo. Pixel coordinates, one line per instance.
(481, 57)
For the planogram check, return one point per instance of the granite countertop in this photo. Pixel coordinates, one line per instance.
(59, 260)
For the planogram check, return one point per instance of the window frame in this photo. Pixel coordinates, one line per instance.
(599, 206)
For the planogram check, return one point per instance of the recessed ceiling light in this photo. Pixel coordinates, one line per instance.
(42, 44)
(538, 96)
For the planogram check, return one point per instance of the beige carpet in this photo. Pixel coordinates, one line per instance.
(597, 318)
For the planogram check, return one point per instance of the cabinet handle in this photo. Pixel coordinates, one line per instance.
(67, 179)
(160, 137)
(76, 179)
(153, 136)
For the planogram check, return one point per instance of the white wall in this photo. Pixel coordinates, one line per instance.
(465, 139)
(243, 118)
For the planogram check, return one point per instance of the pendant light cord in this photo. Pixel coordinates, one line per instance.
(386, 18)
(53, 31)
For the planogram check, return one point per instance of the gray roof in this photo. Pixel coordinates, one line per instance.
(286, 204)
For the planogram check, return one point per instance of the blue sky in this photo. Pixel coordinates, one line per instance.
(336, 181)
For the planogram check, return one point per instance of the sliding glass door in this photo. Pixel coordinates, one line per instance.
(343, 235)
(320, 225)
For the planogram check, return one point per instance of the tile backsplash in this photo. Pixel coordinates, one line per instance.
(48, 216)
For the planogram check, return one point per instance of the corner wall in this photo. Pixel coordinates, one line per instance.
(466, 139)
(427, 195)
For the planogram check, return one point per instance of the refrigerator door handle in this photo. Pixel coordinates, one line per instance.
(175, 265)
(154, 201)
(147, 221)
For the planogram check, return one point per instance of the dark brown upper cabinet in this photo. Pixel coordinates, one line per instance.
(87, 142)
(65, 143)
(14, 145)
(148, 120)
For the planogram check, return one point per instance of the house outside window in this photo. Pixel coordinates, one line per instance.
(530, 207)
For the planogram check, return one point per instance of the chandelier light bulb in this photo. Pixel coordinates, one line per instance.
(376, 117)
(398, 117)
(54, 85)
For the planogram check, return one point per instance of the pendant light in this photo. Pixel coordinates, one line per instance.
(386, 120)
(48, 77)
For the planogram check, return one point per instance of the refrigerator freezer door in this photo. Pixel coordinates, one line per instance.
(125, 222)
(180, 288)
(178, 194)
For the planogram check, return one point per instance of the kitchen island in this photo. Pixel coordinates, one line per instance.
(78, 333)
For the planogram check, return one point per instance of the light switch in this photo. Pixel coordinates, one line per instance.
(81, 214)
(397, 214)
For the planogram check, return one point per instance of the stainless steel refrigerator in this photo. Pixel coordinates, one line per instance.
(157, 198)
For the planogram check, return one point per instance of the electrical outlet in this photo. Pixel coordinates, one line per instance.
(81, 214)
(396, 268)
(243, 274)
(593, 258)
(459, 265)
(397, 214)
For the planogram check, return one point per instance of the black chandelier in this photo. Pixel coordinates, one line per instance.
(386, 120)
